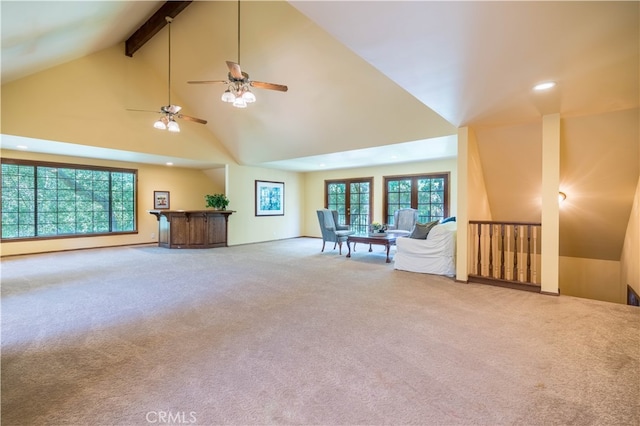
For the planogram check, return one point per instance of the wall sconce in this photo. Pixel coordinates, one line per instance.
(561, 197)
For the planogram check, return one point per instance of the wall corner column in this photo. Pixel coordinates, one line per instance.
(550, 260)
(462, 214)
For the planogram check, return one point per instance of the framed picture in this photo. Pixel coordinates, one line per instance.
(269, 198)
(160, 199)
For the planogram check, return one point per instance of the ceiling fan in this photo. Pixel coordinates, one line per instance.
(168, 113)
(238, 82)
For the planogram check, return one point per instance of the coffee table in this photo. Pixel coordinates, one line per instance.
(387, 241)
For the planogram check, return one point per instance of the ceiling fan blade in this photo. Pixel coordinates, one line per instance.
(208, 82)
(270, 86)
(234, 70)
(143, 110)
(194, 119)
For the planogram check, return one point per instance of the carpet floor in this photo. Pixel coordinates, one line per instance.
(280, 333)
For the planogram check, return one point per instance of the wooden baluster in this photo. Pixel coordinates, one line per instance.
(491, 250)
(479, 250)
(514, 276)
(529, 253)
(502, 251)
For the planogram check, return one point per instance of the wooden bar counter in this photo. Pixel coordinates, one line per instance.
(189, 229)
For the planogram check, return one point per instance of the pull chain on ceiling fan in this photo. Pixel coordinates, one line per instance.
(168, 113)
(238, 82)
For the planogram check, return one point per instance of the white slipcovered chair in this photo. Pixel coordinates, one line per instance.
(435, 254)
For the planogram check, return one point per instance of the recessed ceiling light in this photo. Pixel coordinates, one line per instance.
(169, 163)
(544, 86)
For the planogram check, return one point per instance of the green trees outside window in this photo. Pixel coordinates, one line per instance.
(429, 194)
(48, 200)
(351, 198)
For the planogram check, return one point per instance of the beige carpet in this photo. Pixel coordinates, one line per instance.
(279, 333)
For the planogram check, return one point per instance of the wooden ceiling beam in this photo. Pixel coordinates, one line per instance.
(153, 25)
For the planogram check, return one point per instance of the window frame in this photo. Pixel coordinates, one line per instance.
(86, 167)
(414, 191)
(347, 214)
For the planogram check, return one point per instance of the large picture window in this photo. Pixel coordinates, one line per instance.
(49, 200)
(429, 194)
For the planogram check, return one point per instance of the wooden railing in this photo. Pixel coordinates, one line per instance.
(505, 253)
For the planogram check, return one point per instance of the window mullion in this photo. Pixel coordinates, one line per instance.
(110, 202)
(36, 201)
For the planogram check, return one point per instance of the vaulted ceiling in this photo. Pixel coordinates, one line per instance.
(371, 79)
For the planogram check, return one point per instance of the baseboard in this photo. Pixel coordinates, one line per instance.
(504, 283)
(155, 244)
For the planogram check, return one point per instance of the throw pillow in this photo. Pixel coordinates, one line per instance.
(421, 230)
(449, 219)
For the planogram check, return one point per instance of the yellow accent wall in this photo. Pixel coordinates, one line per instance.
(473, 201)
(314, 186)
(590, 278)
(187, 188)
(476, 191)
(244, 226)
(630, 259)
(87, 102)
(550, 212)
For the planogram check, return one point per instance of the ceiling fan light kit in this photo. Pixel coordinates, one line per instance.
(169, 113)
(239, 97)
(172, 126)
(238, 93)
(239, 102)
(248, 96)
(227, 96)
(166, 123)
(161, 123)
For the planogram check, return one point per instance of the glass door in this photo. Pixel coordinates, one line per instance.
(351, 198)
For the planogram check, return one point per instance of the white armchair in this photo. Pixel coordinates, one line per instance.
(434, 255)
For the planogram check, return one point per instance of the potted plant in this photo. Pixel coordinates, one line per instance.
(377, 228)
(217, 201)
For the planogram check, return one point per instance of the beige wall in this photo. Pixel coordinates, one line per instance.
(86, 102)
(218, 178)
(314, 187)
(244, 226)
(187, 188)
(473, 201)
(550, 273)
(476, 191)
(630, 259)
(590, 279)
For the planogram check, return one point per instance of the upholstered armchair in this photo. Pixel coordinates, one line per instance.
(403, 222)
(330, 231)
(337, 222)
